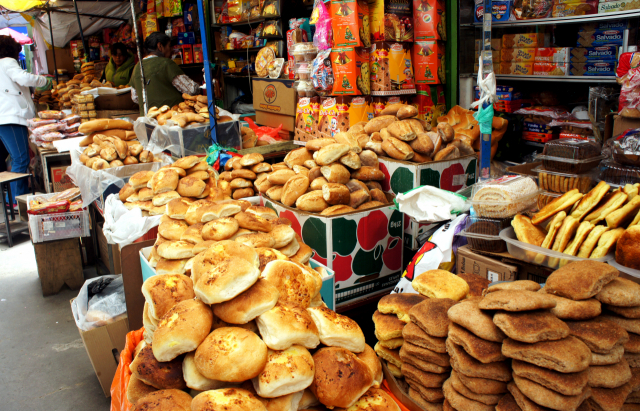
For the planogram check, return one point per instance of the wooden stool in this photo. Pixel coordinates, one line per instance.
(59, 263)
(12, 227)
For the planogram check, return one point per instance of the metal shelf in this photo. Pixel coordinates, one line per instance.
(251, 50)
(243, 77)
(241, 23)
(561, 20)
(571, 79)
(534, 143)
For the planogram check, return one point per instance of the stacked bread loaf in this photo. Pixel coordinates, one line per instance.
(329, 176)
(239, 326)
(390, 319)
(193, 111)
(245, 174)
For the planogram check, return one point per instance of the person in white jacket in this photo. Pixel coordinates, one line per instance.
(16, 107)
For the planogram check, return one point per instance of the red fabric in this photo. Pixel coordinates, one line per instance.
(120, 381)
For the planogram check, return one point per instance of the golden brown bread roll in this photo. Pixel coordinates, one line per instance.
(318, 183)
(368, 173)
(358, 198)
(335, 194)
(351, 160)
(293, 189)
(331, 153)
(336, 173)
(397, 149)
(318, 143)
(312, 202)
(242, 193)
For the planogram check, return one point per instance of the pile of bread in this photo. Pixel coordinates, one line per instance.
(329, 176)
(250, 138)
(584, 225)
(192, 111)
(572, 345)
(242, 173)
(246, 328)
(109, 144)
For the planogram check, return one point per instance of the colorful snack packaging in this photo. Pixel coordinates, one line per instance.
(524, 55)
(429, 62)
(350, 71)
(510, 41)
(430, 102)
(341, 112)
(391, 20)
(350, 23)
(391, 69)
(307, 117)
(39, 208)
(429, 20)
(523, 69)
(552, 54)
(550, 69)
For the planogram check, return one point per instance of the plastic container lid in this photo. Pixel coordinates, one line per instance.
(541, 256)
(561, 182)
(304, 48)
(483, 242)
(572, 149)
(618, 175)
(486, 226)
(630, 271)
(569, 165)
(504, 197)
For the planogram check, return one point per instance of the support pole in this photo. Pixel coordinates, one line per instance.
(53, 48)
(84, 43)
(202, 18)
(138, 42)
(487, 70)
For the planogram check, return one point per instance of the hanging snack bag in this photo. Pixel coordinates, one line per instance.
(322, 73)
(323, 38)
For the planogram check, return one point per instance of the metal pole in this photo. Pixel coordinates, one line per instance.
(487, 69)
(84, 43)
(142, 78)
(53, 48)
(207, 71)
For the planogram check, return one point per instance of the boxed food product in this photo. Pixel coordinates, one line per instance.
(391, 20)
(187, 54)
(602, 68)
(603, 25)
(522, 69)
(350, 23)
(501, 10)
(197, 53)
(608, 37)
(574, 8)
(428, 58)
(524, 10)
(430, 102)
(617, 174)
(536, 127)
(350, 71)
(391, 69)
(522, 55)
(613, 6)
(626, 148)
(537, 137)
(552, 54)
(339, 113)
(562, 182)
(523, 40)
(307, 116)
(507, 106)
(586, 54)
(483, 234)
(504, 197)
(380, 103)
(550, 69)
(506, 93)
(429, 20)
(571, 156)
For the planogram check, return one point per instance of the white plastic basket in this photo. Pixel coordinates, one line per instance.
(538, 255)
(57, 226)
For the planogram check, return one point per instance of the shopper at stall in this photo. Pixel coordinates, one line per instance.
(118, 70)
(165, 81)
(16, 108)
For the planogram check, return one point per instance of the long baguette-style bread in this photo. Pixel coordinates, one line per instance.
(104, 124)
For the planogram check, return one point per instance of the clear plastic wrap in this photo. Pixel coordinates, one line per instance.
(51, 114)
(628, 74)
(322, 73)
(100, 301)
(483, 234)
(71, 119)
(51, 136)
(559, 182)
(553, 112)
(625, 149)
(47, 129)
(504, 197)
(618, 175)
(323, 37)
(571, 155)
(39, 122)
(546, 197)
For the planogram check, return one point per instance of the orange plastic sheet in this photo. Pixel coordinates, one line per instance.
(385, 386)
(120, 382)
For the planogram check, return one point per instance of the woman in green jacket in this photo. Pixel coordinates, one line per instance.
(120, 66)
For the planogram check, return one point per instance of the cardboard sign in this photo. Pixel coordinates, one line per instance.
(364, 248)
(338, 114)
(350, 23)
(391, 69)
(428, 58)
(429, 20)
(307, 116)
(391, 20)
(350, 71)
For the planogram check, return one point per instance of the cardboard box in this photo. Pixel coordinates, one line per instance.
(496, 45)
(552, 54)
(520, 55)
(621, 124)
(489, 268)
(429, 61)
(402, 176)
(522, 40)
(265, 118)
(600, 37)
(391, 20)
(350, 71)
(103, 345)
(613, 6)
(121, 102)
(550, 69)
(603, 68)
(533, 272)
(363, 248)
(339, 113)
(391, 69)
(109, 253)
(274, 96)
(350, 23)
(429, 20)
(586, 54)
(522, 69)
(574, 8)
(60, 180)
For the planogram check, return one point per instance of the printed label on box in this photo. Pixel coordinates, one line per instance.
(521, 55)
(391, 69)
(593, 69)
(429, 62)
(429, 19)
(350, 23)
(391, 20)
(585, 54)
(337, 114)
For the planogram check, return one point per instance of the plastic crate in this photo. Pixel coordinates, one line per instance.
(58, 226)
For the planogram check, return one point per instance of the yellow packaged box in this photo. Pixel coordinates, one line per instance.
(523, 40)
(524, 55)
(391, 69)
(521, 69)
(339, 113)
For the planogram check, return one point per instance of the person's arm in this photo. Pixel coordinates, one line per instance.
(23, 77)
(180, 81)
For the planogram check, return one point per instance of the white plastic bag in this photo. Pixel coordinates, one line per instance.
(122, 226)
(95, 310)
(431, 205)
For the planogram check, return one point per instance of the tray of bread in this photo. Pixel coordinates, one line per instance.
(574, 226)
